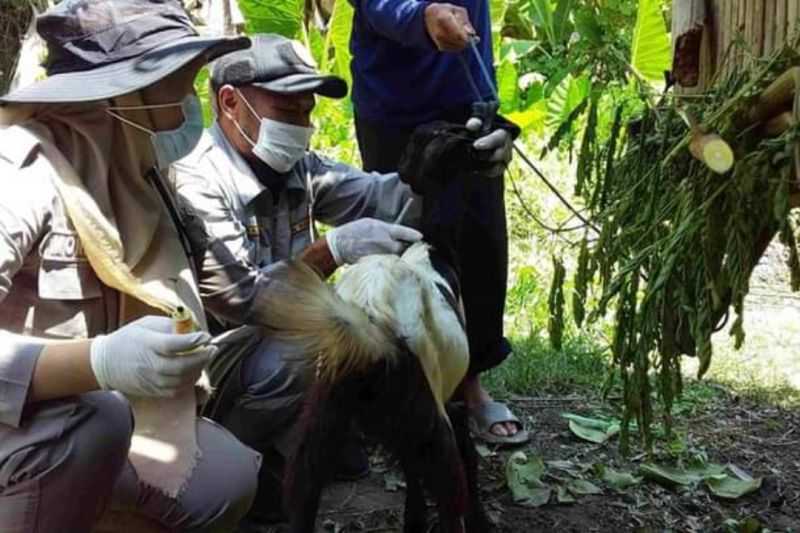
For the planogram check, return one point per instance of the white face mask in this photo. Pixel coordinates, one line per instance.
(171, 145)
(279, 145)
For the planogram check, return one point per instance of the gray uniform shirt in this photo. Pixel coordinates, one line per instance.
(249, 231)
(47, 287)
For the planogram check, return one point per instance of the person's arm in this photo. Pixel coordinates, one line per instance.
(319, 257)
(63, 369)
(418, 23)
(229, 280)
(24, 215)
(343, 193)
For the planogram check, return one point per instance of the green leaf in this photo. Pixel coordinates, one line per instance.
(201, 88)
(619, 480)
(651, 53)
(532, 118)
(561, 25)
(565, 98)
(671, 476)
(524, 478)
(542, 16)
(564, 496)
(273, 16)
(507, 85)
(592, 429)
(587, 26)
(338, 39)
(734, 486)
(580, 487)
(497, 11)
(665, 475)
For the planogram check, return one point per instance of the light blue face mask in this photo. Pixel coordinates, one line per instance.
(171, 145)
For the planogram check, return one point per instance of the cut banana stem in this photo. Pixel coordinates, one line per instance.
(712, 150)
(709, 148)
(778, 96)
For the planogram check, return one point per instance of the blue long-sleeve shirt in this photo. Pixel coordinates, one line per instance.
(400, 78)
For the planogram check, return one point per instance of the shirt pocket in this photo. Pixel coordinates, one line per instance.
(64, 271)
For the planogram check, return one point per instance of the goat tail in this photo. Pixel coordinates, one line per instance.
(336, 335)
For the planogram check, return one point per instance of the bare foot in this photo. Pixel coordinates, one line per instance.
(475, 395)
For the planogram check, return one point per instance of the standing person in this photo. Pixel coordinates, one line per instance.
(406, 72)
(85, 240)
(258, 189)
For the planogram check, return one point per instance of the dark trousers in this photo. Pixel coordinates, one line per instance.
(484, 253)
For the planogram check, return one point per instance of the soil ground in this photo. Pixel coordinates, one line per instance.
(761, 439)
(719, 424)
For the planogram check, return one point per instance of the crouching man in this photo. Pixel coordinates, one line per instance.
(250, 193)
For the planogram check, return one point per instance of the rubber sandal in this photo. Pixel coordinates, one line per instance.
(486, 415)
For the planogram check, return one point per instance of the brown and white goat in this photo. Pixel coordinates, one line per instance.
(390, 349)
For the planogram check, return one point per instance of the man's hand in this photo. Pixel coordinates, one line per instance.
(145, 358)
(350, 242)
(448, 26)
(494, 148)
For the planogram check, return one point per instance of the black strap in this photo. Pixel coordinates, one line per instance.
(169, 202)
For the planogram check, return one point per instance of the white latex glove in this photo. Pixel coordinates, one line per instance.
(143, 358)
(350, 242)
(495, 147)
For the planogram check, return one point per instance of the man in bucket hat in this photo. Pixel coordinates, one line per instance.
(258, 189)
(90, 255)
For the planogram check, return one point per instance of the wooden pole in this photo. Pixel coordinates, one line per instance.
(227, 20)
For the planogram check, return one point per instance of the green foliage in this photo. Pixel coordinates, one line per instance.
(273, 16)
(535, 366)
(677, 242)
(651, 54)
(338, 40)
(201, 88)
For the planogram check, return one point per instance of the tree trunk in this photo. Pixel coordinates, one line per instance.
(688, 33)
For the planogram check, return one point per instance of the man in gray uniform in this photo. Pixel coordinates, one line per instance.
(258, 190)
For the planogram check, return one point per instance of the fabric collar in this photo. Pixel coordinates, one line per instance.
(247, 183)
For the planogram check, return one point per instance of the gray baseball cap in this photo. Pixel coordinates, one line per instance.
(99, 49)
(277, 64)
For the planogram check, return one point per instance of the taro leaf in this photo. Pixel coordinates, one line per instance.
(733, 486)
(650, 49)
(392, 481)
(338, 38)
(619, 480)
(564, 496)
(273, 16)
(671, 476)
(579, 487)
(592, 429)
(667, 475)
(524, 478)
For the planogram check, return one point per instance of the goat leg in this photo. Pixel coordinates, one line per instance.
(415, 516)
(310, 467)
(446, 479)
(476, 519)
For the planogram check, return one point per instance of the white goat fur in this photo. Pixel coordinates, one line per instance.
(377, 301)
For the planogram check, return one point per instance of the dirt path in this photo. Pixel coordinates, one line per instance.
(762, 440)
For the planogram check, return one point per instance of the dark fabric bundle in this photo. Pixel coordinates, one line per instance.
(464, 220)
